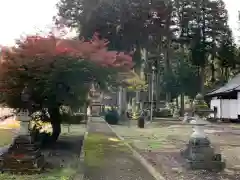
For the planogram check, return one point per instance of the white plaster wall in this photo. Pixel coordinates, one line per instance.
(226, 108)
(229, 108)
(234, 109)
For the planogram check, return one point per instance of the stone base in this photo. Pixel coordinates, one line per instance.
(200, 155)
(22, 156)
(203, 165)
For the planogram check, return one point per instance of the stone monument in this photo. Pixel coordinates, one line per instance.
(176, 112)
(199, 154)
(23, 155)
(186, 118)
(188, 109)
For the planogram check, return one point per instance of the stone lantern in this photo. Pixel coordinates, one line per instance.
(22, 155)
(199, 153)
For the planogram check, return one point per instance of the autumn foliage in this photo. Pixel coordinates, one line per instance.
(45, 48)
(40, 61)
(57, 72)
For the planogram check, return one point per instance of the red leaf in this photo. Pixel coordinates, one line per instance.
(44, 49)
(18, 156)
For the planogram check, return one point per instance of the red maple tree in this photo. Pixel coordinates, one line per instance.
(57, 71)
(49, 47)
(40, 55)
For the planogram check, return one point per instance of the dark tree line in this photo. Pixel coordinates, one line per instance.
(189, 40)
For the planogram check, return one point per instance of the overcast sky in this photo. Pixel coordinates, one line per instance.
(19, 17)
(233, 6)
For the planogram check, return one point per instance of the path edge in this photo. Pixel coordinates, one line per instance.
(82, 152)
(80, 175)
(139, 157)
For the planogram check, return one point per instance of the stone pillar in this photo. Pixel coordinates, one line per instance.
(134, 107)
(141, 106)
(24, 119)
(185, 117)
(89, 112)
(120, 100)
(124, 99)
(129, 106)
(198, 128)
(176, 113)
(138, 99)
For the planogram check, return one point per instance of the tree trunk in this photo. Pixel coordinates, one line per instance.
(213, 79)
(226, 74)
(213, 73)
(177, 102)
(149, 89)
(182, 104)
(168, 97)
(202, 77)
(55, 122)
(84, 110)
(168, 46)
(157, 91)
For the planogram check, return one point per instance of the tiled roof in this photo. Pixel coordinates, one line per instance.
(232, 85)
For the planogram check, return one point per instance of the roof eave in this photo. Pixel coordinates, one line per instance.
(220, 93)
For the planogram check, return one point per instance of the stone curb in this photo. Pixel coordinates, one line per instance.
(80, 175)
(140, 158)
(82, 153)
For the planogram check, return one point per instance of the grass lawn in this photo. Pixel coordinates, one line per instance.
(97, 148)
(6, 136)
(65, 173)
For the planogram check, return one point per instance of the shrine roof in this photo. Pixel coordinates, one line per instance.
(230, 86)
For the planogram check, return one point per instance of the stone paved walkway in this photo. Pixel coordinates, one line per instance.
(107, 158)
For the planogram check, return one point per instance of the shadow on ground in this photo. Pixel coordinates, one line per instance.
(62, 161)
(66, 149)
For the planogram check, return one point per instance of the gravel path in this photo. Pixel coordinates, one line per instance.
(160, 143)
(116, 162)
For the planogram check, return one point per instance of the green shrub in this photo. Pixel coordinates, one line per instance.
(164, 112)
(77, 119)
(72, 119)
(102, 113)
(211, 119)
(135, 115)
(112, 117)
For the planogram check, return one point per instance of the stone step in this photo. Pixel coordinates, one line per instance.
(20, 164)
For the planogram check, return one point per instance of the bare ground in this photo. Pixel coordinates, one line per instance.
(160, 143)
(62, 158)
